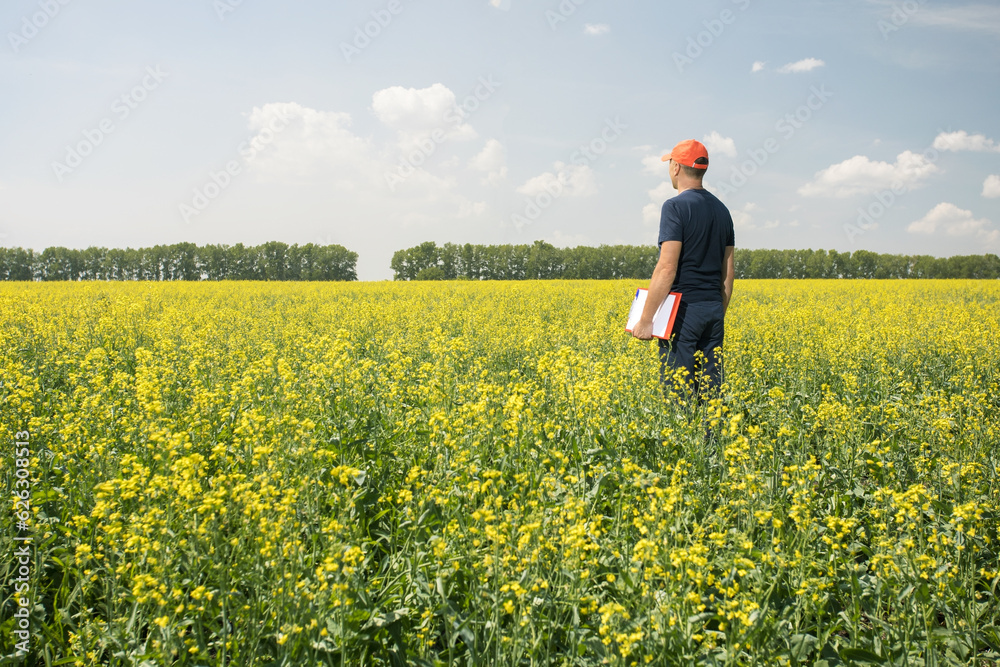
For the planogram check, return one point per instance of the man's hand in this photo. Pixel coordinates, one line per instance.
(659, 288)
(643, 330)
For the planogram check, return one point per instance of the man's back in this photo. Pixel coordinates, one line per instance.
(704, 227)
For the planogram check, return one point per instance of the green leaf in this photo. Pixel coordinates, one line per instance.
(699, 619)
(802, 645)
(68, 661)
(861, 655)
(993, 633)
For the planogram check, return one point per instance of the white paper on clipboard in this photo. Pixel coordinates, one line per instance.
(663, 320)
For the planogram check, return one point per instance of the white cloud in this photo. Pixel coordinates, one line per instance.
(716, 143)
(807, 65)
(972, 17)
(954, 221)
(493, 161)
(758, 66)
(317, 154)
(658, 195)
(561, 240)
(309, 140)
(860, 175)
(567, 180)
(502, 5)
(595, 29)
(411, 108)
(991, 187)
(743, 217)
(416, 113)
(963, 141)
(654, 164)
(469, 209)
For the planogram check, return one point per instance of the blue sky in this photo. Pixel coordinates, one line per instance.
(862, 124)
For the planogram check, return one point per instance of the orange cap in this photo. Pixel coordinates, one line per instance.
(689, 153)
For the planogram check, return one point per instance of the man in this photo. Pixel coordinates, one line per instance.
(696, 259)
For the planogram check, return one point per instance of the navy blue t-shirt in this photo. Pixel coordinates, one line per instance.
(704, 227)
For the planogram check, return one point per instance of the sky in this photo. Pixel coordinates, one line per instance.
(378, 125)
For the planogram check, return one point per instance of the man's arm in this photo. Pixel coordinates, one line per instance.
(659, 287)
(728, 273)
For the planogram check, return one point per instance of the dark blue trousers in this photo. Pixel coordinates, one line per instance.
(698, 327)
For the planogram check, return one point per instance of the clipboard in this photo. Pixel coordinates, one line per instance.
(663, 320)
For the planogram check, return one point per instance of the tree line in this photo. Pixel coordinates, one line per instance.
(861, 264)
(182, 261)
(428, 261)
(541, 261)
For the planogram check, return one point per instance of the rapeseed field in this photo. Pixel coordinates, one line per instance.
(476, 473)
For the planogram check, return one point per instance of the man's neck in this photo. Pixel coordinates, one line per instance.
(689, 186)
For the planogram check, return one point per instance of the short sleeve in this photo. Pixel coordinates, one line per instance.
(730, 232)
(670, 224)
